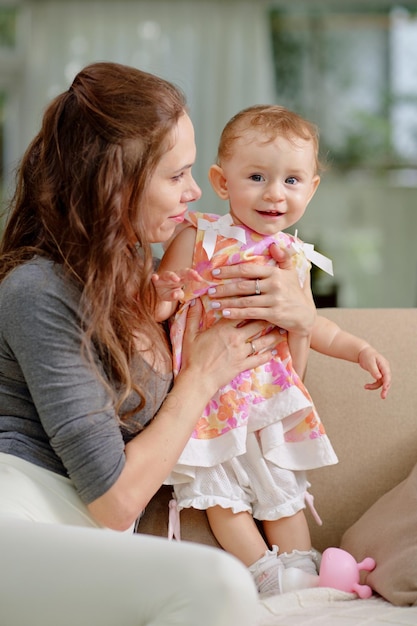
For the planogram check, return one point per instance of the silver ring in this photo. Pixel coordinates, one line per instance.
(252, 345)
(257, 288)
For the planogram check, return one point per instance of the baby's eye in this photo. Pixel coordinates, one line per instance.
(257, 177)
(291, 180)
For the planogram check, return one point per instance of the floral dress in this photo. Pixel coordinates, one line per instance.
(271, 399)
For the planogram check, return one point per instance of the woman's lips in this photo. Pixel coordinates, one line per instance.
(178, 218)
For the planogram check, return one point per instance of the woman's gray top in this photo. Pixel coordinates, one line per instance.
(54, 410)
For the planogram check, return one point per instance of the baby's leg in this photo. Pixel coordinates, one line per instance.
(289, 533)
(237, 533)
(300, 561)
(223, 492)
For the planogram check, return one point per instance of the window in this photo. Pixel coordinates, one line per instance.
(352, 69)
(8, 46)
(8, 27)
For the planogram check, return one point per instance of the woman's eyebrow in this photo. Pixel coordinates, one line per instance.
(184, 167)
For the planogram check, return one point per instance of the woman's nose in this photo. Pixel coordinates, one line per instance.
(193, 193)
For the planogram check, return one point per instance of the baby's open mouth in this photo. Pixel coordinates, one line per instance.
(272, 213)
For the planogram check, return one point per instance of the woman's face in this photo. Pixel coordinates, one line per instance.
(172, 185)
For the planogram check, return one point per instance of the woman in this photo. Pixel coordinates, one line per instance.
(88, 430)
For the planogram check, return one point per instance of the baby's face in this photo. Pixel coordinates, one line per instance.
(270, 182)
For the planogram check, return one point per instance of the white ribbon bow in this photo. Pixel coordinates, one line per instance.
(323, 262)
(222, 226)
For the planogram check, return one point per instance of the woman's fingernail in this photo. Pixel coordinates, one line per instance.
(216, 272)
(215, 305)
(274, 352)
(212, 290)
(192, 303)
(226, 313)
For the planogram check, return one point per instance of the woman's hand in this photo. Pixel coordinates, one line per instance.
(280, 299)
(218, 354)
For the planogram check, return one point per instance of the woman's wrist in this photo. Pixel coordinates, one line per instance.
(302, 324)
(197, 383)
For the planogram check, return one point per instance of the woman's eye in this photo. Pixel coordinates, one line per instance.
(257, 177)
(291, 180)
(178, 176)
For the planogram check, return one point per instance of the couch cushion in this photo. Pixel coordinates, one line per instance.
(388, 533)
(375, 440)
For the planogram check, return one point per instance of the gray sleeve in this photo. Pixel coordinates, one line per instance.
(42, 329)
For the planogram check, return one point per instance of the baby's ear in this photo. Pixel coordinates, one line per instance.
(314, 184)
(218, 181)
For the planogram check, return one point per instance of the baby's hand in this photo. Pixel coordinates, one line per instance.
(377, 365)
(170, 285)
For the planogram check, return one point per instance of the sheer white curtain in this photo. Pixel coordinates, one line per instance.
(217, 51)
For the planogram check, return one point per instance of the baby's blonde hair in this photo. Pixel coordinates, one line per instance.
(273, 121)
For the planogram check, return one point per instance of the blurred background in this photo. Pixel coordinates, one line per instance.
(350, 67)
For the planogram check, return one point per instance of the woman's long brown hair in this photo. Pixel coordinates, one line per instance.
(79, 192)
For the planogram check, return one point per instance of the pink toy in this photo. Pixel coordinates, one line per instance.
(339, 570)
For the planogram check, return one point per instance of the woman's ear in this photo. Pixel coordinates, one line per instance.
(218, 181)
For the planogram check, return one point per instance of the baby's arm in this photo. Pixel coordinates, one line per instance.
(328, 338)
(171, 275)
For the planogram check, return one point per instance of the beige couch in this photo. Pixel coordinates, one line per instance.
(376, 442)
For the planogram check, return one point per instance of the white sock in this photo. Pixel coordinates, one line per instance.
(267, 573)
(300, 569)
(307, 560)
